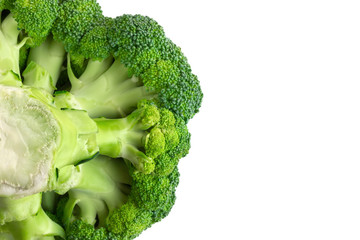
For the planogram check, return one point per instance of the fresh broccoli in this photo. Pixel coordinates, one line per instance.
(93, 121)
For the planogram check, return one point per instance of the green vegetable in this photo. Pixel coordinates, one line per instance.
(93, 121)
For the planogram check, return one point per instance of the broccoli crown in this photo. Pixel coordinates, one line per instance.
(79, 230)
(95, 43)
(36, 17)
(147, 137)
(97, 109)
(6, 4)
(153, 192)
(141, 45)
(151, 199)
(75, 19)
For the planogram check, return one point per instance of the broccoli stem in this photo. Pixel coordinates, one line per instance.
(93, 71)
(111, 93)
(18, 209)
(39, 226)
(36, 76)
(9, 46)
(115, 134)
(50, 55)
(49, 201)
(101, 195)
(123, 138)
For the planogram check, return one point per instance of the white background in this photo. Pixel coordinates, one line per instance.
(275, 147)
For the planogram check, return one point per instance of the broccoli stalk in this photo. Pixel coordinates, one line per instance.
(9, 47)
(110, 93)
(39, 226)
(125, 137)
(19, 208)
(151, 138)
(40, 140)
(46, 59)
(94, 199)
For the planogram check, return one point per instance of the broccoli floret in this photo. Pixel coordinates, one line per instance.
(75, 19)
(6, 4)
(79, 230)
(36, 17)
(151, 199)
(95, 43)
(146, 65)
(143, 136)
(129, 221)
(141, 45)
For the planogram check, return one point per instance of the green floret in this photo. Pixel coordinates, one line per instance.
(141, 45)
(166, 162)
(79, 230)
(95, 43)
(133, 36)
(75, 19)
(140, 137)
(6, 4)
(18, 208)
(36, 17)
(153, 192)
(39, 226)
(151, 199)
(129, 221)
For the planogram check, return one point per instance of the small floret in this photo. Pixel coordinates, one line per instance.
(75, 19)
(36, 17)
(79, 230)
(141, 137)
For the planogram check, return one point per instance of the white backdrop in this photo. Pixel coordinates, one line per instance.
(275, 147)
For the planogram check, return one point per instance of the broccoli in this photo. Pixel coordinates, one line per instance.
(94, 114)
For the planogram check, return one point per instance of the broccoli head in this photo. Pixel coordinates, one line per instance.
(94, 114)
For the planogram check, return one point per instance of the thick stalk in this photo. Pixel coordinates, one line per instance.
(9, 46)
(50, 55)
(116, 138)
